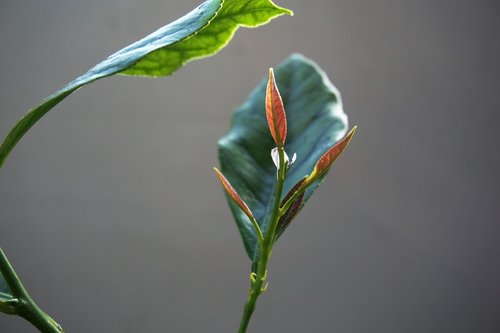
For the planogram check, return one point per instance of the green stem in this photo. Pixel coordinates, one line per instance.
(258, 278)
(260, 237)
(24, 306)
(255, 291)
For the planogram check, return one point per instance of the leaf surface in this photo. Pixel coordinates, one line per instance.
(315, 122)
(200, 33)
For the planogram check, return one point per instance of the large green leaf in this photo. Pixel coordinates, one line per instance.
(201, 33)
(316, 121)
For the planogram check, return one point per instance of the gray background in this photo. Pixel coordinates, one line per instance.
(111, 214)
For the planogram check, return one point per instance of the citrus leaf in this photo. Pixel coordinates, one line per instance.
(200, 33)
(209, 40)
(316, 121)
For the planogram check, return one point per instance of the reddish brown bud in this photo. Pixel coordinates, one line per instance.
(233, 194)
(275, 111)
(326, 161)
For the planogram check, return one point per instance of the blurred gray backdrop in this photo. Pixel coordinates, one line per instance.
(112, 216)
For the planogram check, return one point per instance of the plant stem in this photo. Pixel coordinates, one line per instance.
(25, 307)
(258, 278)
(254, 293)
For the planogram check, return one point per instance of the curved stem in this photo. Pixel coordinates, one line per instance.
(258, 278)
(38, 318)
(24, 306)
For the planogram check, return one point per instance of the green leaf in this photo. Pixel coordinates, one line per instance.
(316, 121)
(201, 33)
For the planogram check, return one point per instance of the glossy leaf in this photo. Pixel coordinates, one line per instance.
(275, 111)
(315, 121)
(201, 33)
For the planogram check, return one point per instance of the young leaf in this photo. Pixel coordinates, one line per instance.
(326, 160)
(201, 33)
(233, 194)
(294, 209)
(275, 112)
(315, 121)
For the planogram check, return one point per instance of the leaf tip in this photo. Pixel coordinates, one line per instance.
(283, 10)
(233, 194)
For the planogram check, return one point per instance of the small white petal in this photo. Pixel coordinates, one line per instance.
(286, 158)
(276, 157)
